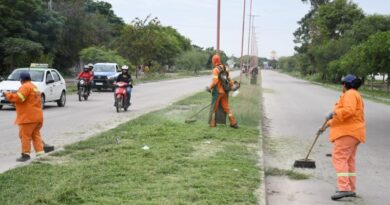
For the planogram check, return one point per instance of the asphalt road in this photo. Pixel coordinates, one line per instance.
(294, 110)
(80, 120)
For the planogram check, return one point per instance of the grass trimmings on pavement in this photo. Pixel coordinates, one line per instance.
(154, 159)
(283, 172)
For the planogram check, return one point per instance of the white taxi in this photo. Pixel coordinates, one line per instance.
(48, 80)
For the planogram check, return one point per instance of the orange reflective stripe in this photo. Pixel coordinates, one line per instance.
(215, 76)
(21, 96)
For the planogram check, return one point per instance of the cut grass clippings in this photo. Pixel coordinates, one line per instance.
(185, 163)
(290, 173)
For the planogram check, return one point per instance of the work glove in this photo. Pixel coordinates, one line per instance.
(208, 89)
(329, 116)
(236, 86)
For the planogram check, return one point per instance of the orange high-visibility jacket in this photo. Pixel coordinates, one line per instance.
(28, 104)
(216, 60)
(349, 117)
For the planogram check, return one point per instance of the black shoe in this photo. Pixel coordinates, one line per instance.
(235, 126)
(23, 158)
(342, 194)
(48, 148)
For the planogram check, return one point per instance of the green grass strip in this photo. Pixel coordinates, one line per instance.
(185, 163)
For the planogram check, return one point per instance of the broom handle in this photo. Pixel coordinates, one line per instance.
(200, 110)
(315, 140)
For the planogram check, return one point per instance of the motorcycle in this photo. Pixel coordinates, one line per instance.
(121, 96)
(83, 91)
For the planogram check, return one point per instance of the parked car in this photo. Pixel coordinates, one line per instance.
(105, 75)
(48, 81)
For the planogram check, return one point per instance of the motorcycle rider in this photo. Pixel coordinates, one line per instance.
(88, 76)
(126, 78)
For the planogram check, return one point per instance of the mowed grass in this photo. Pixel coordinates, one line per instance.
(185, 163)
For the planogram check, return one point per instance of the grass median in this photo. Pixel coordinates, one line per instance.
(185, 163)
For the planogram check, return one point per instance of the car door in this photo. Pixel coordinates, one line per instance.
(49, 88)
(57, 85)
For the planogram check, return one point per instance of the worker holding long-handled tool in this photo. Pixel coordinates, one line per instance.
(347, 131)
(220, 86)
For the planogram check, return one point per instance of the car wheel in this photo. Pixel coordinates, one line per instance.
(61, 102)
(1, 107)
(43, 101)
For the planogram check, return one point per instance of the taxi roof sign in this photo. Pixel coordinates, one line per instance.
(39, 65)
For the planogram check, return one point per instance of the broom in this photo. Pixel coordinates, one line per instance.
(308, 163)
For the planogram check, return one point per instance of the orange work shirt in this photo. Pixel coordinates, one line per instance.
(348, 119)
(27, 103)
(216, 82)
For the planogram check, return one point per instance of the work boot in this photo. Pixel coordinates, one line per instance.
(235, 126)
(48, 148)
(341, 194)
(23, 158)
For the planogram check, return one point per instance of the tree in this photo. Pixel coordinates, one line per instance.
(146, 41)
(87, 23)
(303, 33)
(332, 20)
(29, 22)
(366, 27)
(19, 51)
(100, 54)
(193, 60)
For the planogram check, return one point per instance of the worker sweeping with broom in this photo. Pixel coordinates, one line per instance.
(347, 131)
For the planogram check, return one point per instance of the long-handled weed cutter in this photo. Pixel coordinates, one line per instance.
(308, 163)
(191, 120)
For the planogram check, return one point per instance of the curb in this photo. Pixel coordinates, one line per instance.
(261, 191)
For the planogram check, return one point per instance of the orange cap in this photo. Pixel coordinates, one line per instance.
(216, 60)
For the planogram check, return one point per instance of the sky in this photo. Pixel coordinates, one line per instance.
(275, 22)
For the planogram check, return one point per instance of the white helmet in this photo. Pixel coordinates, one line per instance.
(125, 67)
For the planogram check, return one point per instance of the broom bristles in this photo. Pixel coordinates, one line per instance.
(305, 163)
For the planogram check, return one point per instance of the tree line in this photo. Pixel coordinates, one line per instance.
(336, 38)
(71, 32)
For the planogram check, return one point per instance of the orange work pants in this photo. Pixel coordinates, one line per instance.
(222, 100)
(343, 157)
(31, 132)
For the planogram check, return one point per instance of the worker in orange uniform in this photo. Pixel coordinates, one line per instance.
(29, 116)
(220, 86)
(347, 131)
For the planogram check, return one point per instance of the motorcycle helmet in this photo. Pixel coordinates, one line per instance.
(125, 69)
(86, 68)
(90, 66)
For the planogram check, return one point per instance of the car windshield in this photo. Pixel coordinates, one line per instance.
(36, 75)
(104, 68)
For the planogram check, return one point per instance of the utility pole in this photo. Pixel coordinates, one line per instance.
(250, 36)
(249, 28)
(242, 41)
(218, 24)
